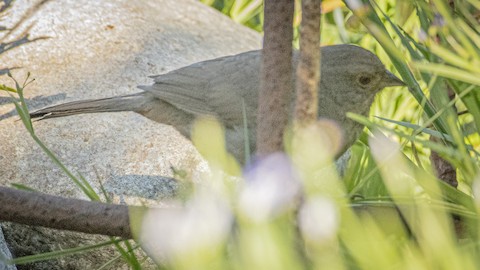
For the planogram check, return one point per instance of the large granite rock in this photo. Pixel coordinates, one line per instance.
(98, 49)
(4, 249)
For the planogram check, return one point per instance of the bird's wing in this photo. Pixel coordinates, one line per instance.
(183, 89)
(214, 87)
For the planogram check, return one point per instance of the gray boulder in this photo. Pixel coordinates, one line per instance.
(95, 49)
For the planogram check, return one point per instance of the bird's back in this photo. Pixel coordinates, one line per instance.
(221, 87)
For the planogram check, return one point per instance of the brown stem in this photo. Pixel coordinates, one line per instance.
(276, 86)
(308, 70)
(37, 209)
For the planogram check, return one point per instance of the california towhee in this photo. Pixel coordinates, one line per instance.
(350, 78)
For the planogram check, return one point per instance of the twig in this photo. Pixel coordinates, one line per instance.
(276, 85)
(308, 70)
(37, 209)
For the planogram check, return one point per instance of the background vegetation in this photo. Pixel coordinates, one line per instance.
(419, 33)
(434, 46)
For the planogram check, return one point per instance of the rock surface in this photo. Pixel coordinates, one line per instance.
(5, 253)
(97, 49)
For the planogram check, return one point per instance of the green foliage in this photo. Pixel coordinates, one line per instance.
(247, 12)
(434, 47)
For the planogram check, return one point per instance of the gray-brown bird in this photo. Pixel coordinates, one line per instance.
(350, 78)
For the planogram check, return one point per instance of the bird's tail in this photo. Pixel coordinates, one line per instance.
(113, 104)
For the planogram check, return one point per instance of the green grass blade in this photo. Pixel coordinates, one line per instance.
(59, 253)
(245, 133)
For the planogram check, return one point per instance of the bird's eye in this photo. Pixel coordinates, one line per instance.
(364, 80)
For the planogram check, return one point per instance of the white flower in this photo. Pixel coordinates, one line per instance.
(319, 219)
(271, 187)
(170, 233)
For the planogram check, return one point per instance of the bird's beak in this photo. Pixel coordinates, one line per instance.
(392, 80)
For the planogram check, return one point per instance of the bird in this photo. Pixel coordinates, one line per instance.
(226, 88)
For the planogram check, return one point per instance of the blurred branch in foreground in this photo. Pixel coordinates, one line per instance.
(276, 83)
(308, 70)
(32, 208)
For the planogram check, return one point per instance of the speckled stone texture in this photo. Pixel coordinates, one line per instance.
(5, 253)
(99, 49)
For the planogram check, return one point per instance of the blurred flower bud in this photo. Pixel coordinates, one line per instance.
(271, 187)
(318, 219)
(175, 233)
